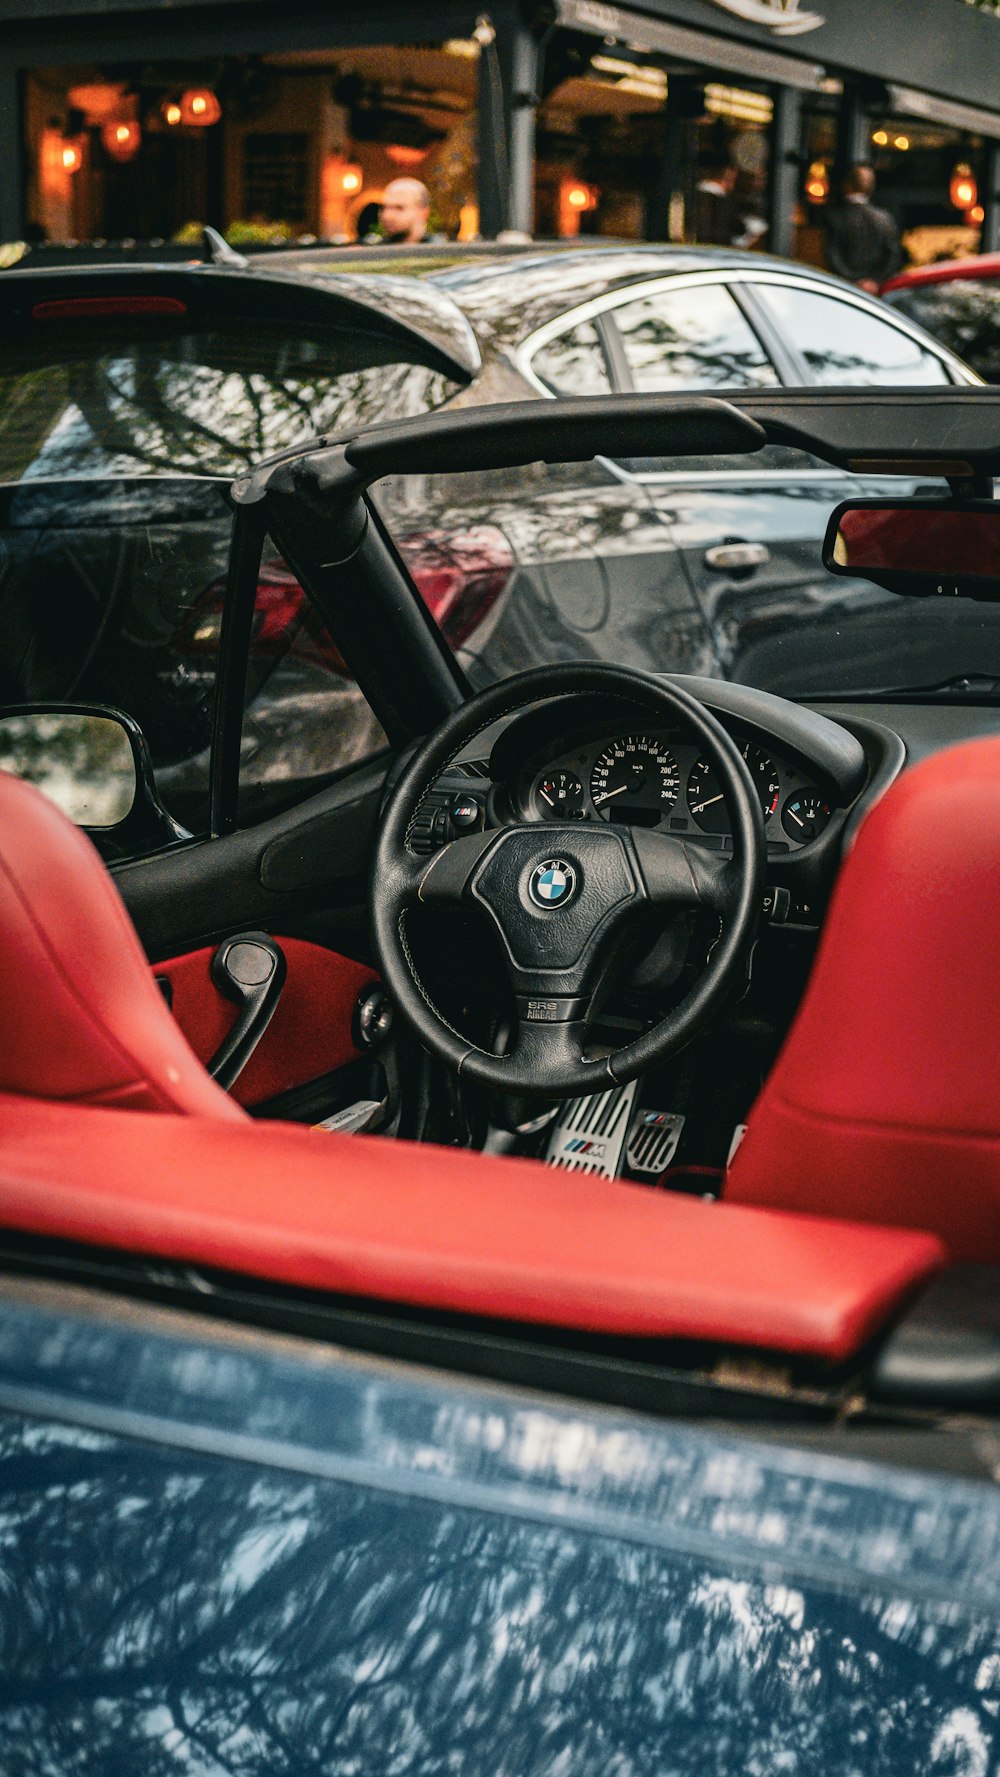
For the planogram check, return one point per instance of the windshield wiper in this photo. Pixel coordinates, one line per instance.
(972, 687)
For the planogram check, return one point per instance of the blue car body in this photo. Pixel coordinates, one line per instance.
(226, 1552)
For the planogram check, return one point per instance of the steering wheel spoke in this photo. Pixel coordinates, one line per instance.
(676, 874)
(550, 1056)
(448, 874)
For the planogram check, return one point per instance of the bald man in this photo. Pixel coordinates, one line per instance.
(406, 206)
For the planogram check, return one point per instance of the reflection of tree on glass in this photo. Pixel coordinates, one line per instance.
(691, 339)
(126, 402)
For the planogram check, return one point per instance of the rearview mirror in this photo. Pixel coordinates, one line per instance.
(942, 548)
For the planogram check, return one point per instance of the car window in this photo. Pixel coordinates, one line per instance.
(109, 398)
(101, 584)
(695, 338)
(304, 719)
(844, 343)
(963, 314)
(573, 362)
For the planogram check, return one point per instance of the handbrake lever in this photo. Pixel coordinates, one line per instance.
(250, 969)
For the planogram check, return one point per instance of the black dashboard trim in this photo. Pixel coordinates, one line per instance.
(828, 752)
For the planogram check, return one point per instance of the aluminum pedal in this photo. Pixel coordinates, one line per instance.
(354, 1119)
(590, 1134)
(652, 1141)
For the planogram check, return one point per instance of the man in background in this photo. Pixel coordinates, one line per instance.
(715, 217)
(404, 212)
(862, 242)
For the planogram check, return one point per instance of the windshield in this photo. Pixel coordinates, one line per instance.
(712, 569)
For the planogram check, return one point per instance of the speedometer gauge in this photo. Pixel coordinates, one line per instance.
(635, 781)
(706, 803)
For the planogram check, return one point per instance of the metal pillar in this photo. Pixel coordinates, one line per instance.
(990, 240)
(523, 106)
(784, 193)
(12, 194)
(853, 137)
(508, 77)
(669, 179)
(492, 134)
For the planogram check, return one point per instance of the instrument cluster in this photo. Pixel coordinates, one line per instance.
(653, 778)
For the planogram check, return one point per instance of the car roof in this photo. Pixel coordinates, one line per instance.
(507, 294)
(945, 271)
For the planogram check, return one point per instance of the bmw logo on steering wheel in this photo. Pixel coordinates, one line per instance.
(552, 884)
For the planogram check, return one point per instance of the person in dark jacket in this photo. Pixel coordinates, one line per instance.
(862, 243)
(715, 212)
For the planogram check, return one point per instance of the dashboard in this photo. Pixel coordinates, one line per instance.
(581, 758)
(656, 777)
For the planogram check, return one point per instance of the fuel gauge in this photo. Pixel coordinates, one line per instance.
(804, 816)
(558, 796)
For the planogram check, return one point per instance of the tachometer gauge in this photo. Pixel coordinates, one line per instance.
(635, 781)
(805, 815)
(558, 796)
(706, 803)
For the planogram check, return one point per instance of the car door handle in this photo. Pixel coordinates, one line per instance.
(249, 969)
(737, 557)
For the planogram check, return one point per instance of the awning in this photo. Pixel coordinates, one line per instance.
(906, 101)
(640, 32)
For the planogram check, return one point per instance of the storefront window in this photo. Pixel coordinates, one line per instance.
(267, 149)
(916, 165)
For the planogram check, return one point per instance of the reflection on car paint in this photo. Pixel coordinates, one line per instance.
(227, 1555)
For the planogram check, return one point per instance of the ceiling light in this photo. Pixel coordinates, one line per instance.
(121, 139)
(735, 101)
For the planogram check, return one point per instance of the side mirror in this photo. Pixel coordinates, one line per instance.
(923, 548)
(94, 764)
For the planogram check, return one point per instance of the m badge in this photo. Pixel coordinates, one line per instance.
(552, 884)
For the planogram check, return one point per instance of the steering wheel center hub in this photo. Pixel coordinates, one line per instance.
(553, 883)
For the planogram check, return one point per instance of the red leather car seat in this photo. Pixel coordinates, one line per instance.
(884, 1103)
(82, 1018)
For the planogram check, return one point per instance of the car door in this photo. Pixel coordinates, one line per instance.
(747, 529)
(263, 749)
(583, 566)
(839, 338)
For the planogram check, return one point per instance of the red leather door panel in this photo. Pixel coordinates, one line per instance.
(310, 1033)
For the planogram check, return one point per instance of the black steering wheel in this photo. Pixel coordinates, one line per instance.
(559, 894)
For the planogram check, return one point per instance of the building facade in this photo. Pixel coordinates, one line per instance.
(552, 118)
